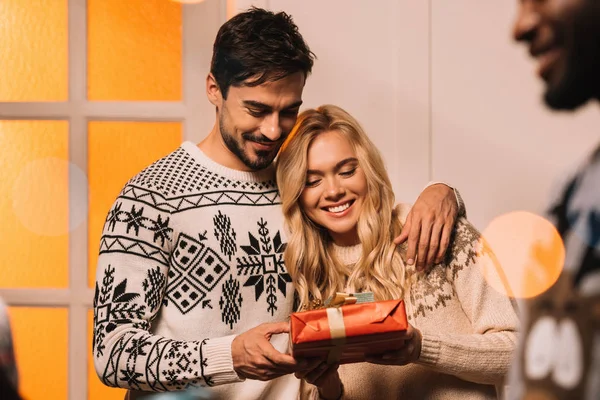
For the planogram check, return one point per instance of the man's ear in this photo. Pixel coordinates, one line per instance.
(213, 92)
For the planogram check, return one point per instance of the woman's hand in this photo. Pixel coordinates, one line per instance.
(325, 377)
(409, 353)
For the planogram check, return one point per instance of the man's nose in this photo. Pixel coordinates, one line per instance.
(527, 22)
(271, 127)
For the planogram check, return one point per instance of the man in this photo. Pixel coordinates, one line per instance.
(191, 286)
(559, 356)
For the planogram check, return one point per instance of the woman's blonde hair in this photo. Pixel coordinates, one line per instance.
(316, 272)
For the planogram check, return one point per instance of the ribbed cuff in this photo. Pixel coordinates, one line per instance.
(436, 183)
(462, 210)
(219, 364)
(430, 350)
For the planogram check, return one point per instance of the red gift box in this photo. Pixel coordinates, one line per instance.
(349, 333)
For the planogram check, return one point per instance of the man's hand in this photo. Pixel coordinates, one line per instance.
(409, 353)
(254, 357)
(429, 225)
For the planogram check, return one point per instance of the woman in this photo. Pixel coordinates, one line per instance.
(339, 208)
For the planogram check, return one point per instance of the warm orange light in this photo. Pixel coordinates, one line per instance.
(40, 193)
(34, 61)
(134, 50)
(41, 348)
(118, 150)
(34, 181)
(529, 254)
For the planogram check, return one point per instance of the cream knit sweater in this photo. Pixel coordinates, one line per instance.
(468, 328)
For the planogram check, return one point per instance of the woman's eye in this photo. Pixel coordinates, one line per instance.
(311, 183)
(348, 173)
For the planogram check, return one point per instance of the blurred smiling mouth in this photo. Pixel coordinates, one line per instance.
(546, 59)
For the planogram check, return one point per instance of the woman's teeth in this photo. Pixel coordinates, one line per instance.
(338, 209)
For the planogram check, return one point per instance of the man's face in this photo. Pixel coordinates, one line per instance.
(564, 37)
(255, 121)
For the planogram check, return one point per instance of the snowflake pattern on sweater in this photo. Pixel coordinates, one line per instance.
(191, 253)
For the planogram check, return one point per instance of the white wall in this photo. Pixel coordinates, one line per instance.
(445, 94)
(491, 135)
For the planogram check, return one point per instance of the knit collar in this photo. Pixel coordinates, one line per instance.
(201, 158)
(348, 255)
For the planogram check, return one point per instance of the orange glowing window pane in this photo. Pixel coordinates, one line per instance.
(134, 50)
(116, 152)
(96, 389)
(33, 60)
(34, 206)
(40, 339)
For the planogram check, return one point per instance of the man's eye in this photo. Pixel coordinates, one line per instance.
(257, 113)
(290, 113)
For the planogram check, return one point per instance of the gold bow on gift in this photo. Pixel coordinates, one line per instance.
(341, 299)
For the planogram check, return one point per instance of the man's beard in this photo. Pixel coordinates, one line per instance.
(263, 158)
(579, 84)
(581, 77)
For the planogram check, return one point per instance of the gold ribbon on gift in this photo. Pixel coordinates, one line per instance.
(337, 329)
(335, 318)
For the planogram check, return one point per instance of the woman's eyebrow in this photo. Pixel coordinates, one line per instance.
(337, 166)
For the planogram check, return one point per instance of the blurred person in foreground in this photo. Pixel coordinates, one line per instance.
(559, 354)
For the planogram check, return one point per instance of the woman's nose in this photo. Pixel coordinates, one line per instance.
(334, 189)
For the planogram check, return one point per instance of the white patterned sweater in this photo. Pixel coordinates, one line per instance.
(191, 255)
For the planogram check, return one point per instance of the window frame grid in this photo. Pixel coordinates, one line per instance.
(200, 23)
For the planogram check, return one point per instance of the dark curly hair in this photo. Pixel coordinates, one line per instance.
(258, 46)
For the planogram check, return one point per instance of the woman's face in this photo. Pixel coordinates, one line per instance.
(336, 187)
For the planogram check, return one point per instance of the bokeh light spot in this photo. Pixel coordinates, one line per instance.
(529, 254)
(41, 196)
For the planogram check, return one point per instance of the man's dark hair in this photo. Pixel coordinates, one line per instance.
(258, 45)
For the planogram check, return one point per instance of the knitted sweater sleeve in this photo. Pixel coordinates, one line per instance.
(131, 279)
(484, 355)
